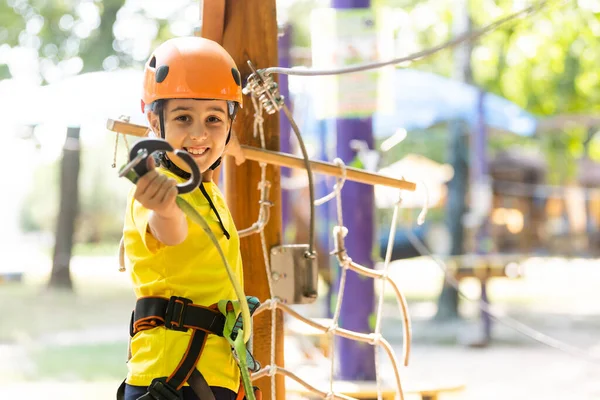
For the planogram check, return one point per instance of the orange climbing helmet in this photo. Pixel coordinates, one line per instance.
(191, 68)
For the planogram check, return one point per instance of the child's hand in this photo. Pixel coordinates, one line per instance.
(157, 192)
(234, 149)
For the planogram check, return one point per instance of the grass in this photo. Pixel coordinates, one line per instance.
(95, 362)
(62, 335)
(89, 249)
(35, 312)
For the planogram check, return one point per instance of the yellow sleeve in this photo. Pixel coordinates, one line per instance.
(140, 216)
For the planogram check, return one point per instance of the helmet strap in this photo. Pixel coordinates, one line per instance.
(233, 108)
(164, 161)
(161, 118)
(218, 162)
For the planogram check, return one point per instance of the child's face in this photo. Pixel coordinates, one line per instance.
(198, 126)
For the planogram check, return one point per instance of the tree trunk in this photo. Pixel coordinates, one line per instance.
(455, 209)
(69, 193)
(457, 187)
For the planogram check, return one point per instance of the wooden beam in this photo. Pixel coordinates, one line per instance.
(250, 33)
(325, 168)
(212, 23)
(287, 160)
(564, 121)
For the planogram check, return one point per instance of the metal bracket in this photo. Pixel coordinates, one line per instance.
(294, 273)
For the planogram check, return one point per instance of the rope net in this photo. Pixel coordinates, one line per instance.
(260, 95)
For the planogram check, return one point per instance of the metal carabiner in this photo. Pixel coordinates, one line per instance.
(146, 147)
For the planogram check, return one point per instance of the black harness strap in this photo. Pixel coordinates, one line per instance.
(179, 313)
(189, 360)
(200, 386)
(176, 313)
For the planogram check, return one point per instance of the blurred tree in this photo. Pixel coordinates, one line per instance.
(53, 40)
(545, 63)
(73, 36)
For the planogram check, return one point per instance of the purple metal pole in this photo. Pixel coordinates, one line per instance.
(356, 359)
(479, 164)
(284, 46)
(479, 174)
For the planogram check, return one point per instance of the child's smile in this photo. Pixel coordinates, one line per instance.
(197, 152)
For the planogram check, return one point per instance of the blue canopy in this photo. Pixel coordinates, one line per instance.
(422, 99)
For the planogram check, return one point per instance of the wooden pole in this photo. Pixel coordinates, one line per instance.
(213, 20)
(250, 33)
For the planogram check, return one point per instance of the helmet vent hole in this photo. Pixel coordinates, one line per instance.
(236, 76)
(152, 62)
(161, 73)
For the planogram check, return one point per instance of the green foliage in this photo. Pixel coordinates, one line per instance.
(545, 63)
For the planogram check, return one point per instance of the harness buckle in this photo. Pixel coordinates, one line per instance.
(160, 389)
(175, 313)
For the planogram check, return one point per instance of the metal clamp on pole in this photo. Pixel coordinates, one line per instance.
(294, 274)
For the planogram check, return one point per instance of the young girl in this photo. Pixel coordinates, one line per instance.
(192, 91)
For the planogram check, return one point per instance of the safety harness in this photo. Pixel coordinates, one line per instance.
(180, 314)
(225, 319)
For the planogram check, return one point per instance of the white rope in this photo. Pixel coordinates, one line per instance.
(339, 233)
(386, 265)
(425, 209)
(259, 130)
(337, 187)
(468, 36)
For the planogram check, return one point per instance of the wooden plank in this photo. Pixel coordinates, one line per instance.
(287, 160)
(353, 174)
(484, 266)
(368, 389)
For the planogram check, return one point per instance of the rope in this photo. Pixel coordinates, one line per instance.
(337, 187)
(258, 130)
(386, 265)
(339, 233)
(114, 163)
(468, 36)
(507, 321)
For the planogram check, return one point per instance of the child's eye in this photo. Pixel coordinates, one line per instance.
(183, 118)
(213, 119)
